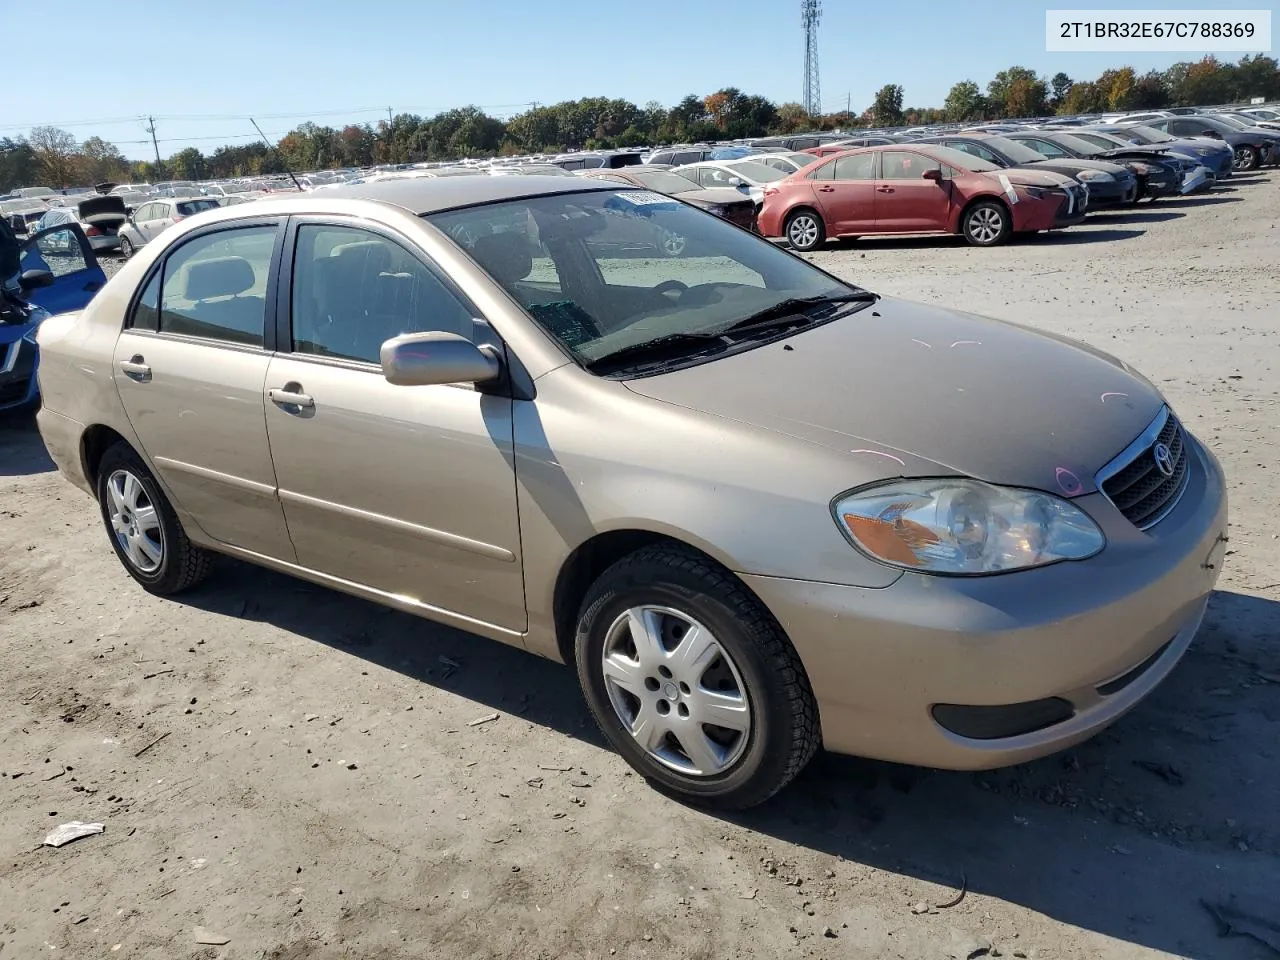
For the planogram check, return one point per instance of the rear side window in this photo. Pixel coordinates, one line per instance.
(860, 166)
(146, 315)
(192, 207)
(215, 286)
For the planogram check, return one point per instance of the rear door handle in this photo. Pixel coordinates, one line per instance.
(136, 369)
(291, 398)
(884, 189)
(826, 189)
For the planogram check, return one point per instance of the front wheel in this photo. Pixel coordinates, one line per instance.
(1245, 158)
(126, 248)
(692, 680)
(987, 224)
(805, 230)
(144, 530)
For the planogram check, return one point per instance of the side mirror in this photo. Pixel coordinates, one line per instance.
(934, 175)
(423, 359)
(35, 279)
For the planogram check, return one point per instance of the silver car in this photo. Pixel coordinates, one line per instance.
(760, 509)
(157, 215)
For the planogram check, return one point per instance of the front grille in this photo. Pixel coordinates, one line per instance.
(1140, 489)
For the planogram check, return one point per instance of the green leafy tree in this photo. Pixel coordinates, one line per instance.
(56, 155)
(1059, 85)
(1084, 97)
(187, 164)
(964, 102)
(1149, 92)
(1002, 85)
(887, 105)
(19, 166)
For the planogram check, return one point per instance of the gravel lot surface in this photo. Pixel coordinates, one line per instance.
(319, 793)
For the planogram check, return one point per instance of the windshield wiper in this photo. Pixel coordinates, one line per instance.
(792, 310)
(662, 348)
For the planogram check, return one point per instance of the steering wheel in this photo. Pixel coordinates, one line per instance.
(671, 286)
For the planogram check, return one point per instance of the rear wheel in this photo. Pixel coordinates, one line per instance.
(1245, 158)
(126, 248)
(805, 230)
(987, 224)
(693, 681)
(144, 530)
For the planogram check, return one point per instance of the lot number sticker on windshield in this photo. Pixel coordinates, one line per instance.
(644, 198)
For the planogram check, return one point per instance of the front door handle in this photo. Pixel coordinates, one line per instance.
(287, 397)
(826, 189)
(884, 189)
(136, 368)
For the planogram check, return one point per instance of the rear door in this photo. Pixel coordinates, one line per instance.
(65, 252)
(848, 199)
(190, 368)
(905, 201)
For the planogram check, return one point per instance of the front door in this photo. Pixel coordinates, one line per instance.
(905, 201)
(65, 252)
(408, 490)
(848, 199)
(190, 366)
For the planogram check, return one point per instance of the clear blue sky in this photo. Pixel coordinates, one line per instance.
(200, 69)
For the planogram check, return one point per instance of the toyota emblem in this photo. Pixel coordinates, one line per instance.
(1164, 458)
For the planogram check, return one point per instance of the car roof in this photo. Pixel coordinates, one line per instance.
(423, 195)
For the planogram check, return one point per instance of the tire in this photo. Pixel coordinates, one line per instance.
(1244, 159)
(987, 223)
(142, 527)
(805, 230)
(126, 248)
(748, 675)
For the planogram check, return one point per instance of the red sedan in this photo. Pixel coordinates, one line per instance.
(916, 188)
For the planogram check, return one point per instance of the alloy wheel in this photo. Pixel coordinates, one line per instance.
(135, 522)
(673, 244)
(676, 690)
(986, 224)
(803, 232)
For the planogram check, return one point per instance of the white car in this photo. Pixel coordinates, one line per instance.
(788, 162)
(157, 215)
(748, 175)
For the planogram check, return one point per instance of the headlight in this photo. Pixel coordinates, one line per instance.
(951, 526)
(1097, 176)
(1035, 193)
(1143, 168)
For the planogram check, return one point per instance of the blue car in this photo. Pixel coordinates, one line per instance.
(59, 273)
(1216, 156)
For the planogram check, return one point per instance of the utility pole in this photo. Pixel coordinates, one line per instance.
(151, 129)
(388, 116)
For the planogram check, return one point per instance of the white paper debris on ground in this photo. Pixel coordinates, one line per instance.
(72, 831)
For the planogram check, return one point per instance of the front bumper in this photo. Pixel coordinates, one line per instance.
(1117, 191)
(882, 661)
(1197, 181)
(18, 385)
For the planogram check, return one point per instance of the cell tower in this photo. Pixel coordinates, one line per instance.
(811, 13)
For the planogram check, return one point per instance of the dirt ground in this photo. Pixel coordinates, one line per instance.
(296, 771)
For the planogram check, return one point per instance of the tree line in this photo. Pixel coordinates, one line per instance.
(52, 157)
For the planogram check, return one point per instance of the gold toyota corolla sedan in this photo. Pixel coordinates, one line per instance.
(761, 510)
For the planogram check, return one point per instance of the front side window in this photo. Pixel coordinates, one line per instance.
(353, 290)
(599, 270)
(903, 165)
(215, 286)
(1050, 150)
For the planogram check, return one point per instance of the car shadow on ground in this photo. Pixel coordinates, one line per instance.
(1115, 836)
(1208, 201)
(25, 453)
(1087, 233)
(1139, 216)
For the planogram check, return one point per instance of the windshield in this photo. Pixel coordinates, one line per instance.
(1015, 151)
(1077, 145)
(754, 171)
(605, 270)
(961, 159)
(664, 182)
(1146, 134)
(1213, 123)
(190, 207)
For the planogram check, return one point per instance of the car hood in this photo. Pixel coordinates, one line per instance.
(1073, 165)
(919, 390)
(1024, 177)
